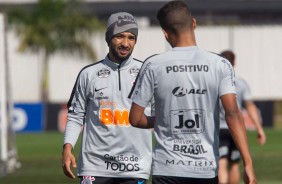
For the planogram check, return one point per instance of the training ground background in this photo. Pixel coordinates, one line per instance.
(40, 154)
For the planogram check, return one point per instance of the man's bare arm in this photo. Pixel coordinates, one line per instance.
(138, 119)
(68, 160)
(254, 115)
(237, 129)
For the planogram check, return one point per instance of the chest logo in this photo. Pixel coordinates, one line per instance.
(104, 73)
(134, 71)
(99, 89)
(116, 117)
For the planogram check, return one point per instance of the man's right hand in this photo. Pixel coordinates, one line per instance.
(261, 137)
(68, 160)
(249, 175)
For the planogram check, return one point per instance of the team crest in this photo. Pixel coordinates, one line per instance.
(87, 180)
(104, 73)
(134, 71)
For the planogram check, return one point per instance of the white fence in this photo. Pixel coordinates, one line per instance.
(257, 49)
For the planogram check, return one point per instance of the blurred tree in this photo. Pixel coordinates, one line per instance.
(54, 26)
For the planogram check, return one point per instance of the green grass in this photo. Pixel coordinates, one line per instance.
(40, 156)
(268, 158)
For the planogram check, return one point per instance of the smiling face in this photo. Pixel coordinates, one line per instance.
(121, 46)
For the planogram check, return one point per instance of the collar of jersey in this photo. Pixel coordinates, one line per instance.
(125, 64)
(188, 48)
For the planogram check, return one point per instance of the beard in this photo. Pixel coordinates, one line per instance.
(115, 53)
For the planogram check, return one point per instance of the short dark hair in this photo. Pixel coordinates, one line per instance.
(228, 54)
(175, 16)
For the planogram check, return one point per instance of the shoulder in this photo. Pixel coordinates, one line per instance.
(89, 69)
(155, 59)
(151, 60)
(217, 58)
(211, 57)
(137, 60)
(242, 82)
(220, 61)
(147, 60)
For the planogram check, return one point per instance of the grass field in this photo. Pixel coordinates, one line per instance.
(40, 156)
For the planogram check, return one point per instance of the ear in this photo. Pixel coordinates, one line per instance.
(165, 34)
(194, 22)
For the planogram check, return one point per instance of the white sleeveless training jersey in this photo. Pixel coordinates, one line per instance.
(110, 146)
(187, 83)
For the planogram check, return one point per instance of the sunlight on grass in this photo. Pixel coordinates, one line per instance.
(40, 156)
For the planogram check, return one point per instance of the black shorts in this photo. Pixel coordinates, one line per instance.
(110, 180)
(227, 147)
(182, 180)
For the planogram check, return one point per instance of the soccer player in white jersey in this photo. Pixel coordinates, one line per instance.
(112, 151)
(229, 162)
(187, 84)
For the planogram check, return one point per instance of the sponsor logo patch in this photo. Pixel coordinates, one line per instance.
(108, 103)
(181, 91)
(116, 117)
(196, 165)
(101, 96)
(187, 121)
(191, 149)
(187, 68)
(121, 162)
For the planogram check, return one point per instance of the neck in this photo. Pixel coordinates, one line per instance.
(183, 40)
(114, 59)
